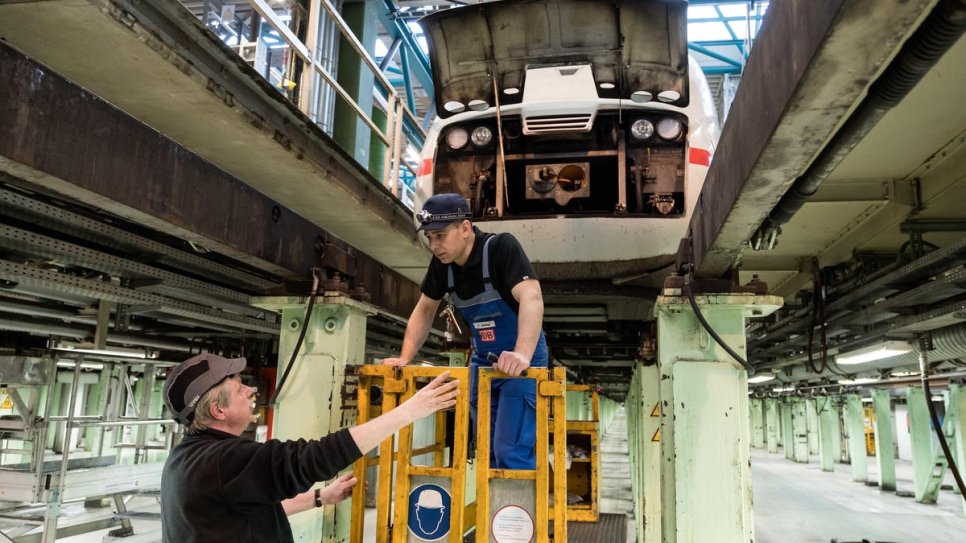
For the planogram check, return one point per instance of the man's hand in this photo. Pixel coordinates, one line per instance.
(437, 395)
(394, 361)
(339, 489)
(512, 363)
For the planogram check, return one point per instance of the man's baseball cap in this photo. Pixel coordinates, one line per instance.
(440, 210)
(189, 381)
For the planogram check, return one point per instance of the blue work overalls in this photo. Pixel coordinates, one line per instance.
(513, 402)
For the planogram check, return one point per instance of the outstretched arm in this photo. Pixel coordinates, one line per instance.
(437, 395)
(334, 492)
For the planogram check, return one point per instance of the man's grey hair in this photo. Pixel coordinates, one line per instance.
(221, 395)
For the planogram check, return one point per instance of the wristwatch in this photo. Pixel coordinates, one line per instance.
(318, 497)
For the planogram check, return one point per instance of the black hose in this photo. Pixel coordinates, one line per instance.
(712, 333)
(818, 319)
(298, 343)
(935, 419)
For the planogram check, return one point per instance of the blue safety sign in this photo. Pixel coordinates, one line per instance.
(429, 512)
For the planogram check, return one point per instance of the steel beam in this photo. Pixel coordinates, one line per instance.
(811, 64)
(135, 172)
(884, 439)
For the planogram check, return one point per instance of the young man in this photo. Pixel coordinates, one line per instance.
(217, 486)
(490, 281)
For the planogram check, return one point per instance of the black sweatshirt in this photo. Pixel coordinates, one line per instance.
(219, 487)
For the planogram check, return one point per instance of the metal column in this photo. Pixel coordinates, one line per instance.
(771, 424)
(644, 442)
(828, 429)
(884, 440)
(855, 420)
(706, 477)
(957, 402)
(920, 434)
(799, 430)
(311, 402)
(788, 433)
(811, 425)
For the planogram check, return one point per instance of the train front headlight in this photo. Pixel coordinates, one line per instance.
(642, 130)
(481, 136)
(456, 138)
(669, 129)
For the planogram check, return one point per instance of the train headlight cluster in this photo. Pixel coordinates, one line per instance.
(668, 129)
(642, 129)
(457, 137)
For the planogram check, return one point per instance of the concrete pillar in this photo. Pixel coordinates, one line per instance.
(706, 477)
(811, 425)
(310, 404)
(855, 421)
(757, 423)
(771, 424)
(800, 430)
(828, 430)
(884, 439)
(920, 434)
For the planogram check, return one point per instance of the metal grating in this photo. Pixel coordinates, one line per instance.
(546, 124)
(608, 529)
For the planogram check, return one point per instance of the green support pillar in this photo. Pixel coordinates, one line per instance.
(855, 421)
(349, 131)
(828, 430)
(771, 424)
(811, 425)
(838, 453)
(884, 440)
(644, 442)
(957, 410)
(757, 423)
(310, 404)
(800, 430)
(920, 434)
(788, 432)
(706, 476)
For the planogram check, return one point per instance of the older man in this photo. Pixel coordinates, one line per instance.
(217, 486)
(490, 281)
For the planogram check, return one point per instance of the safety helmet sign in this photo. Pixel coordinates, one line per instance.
(429, 512)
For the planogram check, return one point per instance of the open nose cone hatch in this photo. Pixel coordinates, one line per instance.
(637, 49)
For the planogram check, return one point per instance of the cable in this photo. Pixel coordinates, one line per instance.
(818, 319)
(711, 332)
(298, 343)
(923, 343)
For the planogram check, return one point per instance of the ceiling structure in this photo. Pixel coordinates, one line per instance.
(884, 233)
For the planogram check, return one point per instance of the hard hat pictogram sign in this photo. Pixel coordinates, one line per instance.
(429, 512)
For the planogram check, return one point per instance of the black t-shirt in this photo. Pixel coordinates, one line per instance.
(509, 265)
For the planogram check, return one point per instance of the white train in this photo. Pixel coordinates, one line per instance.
(602, 138)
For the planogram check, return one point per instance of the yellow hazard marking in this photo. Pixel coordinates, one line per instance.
(656, 412)
(7, 403)
(657, 436)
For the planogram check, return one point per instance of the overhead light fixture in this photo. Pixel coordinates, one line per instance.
(783, 389)
(90, 348)
(878, 351)
(760, 378)
(859, 381)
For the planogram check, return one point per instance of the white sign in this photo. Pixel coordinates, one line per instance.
(512, 524)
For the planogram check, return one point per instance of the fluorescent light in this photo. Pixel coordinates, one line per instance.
(89, 348)
(904, 373)
(878, 351)
(783, 389)
(761, 378)
(859, 381)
